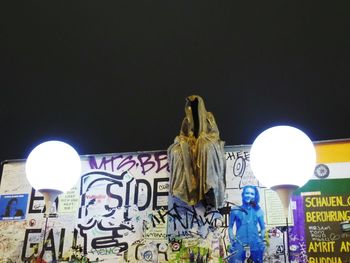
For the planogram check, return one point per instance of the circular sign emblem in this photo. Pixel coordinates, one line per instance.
(321, 171)
(148, 255)
(175, 246)
(163, 247)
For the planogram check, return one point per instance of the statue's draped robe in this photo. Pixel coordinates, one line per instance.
(197, 158)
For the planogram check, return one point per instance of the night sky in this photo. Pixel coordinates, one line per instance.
(112, 76)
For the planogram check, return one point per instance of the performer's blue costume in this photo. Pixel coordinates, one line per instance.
(247, 218)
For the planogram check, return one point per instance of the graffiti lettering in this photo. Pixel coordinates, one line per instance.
(31, 238)
(153, 235)
(143, 194)
(188, 218)
(156, 193)
(235, 155)
(108, 163)
(36, 203)
(147, 162)
(105, 251)
(106, 241)
(159, 249)
(238, 162)
(113, 216)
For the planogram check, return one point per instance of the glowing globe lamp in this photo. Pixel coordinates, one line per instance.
(283, 158)
(53, 168)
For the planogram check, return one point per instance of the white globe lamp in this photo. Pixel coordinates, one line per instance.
(52, 168)
(283, 158)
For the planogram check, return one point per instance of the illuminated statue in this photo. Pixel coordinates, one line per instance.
(248, 240)
(197, 158)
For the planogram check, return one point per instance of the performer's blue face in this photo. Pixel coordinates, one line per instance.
(248, 195)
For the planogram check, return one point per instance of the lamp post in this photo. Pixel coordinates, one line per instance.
(52, 168)
(283, 158)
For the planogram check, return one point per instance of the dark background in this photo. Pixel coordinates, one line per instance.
(112, 76)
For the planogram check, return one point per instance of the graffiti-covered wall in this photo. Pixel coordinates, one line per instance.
(120, 211)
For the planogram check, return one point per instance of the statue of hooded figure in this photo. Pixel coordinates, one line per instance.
(197, 158)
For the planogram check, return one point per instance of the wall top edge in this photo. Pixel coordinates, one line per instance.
(227, 148)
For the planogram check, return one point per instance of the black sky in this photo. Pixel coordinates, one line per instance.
(112, 76)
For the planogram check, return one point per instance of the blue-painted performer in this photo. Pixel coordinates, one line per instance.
(247, 241)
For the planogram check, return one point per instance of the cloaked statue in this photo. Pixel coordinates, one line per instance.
(197, 158)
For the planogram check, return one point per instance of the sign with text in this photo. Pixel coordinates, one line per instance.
(327, 237)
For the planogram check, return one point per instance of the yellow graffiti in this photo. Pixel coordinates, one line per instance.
(324, 260)
(321, 247)
(327, 216)
(325, 201)
(345, 246)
